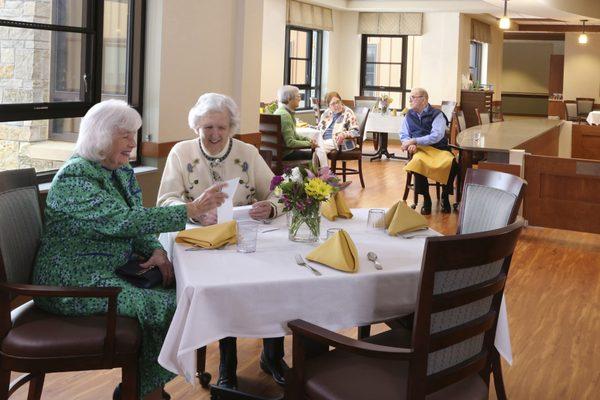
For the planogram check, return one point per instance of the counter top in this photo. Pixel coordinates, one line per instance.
(504, 136)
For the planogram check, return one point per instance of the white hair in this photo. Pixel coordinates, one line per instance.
(287, 93)
(215, 102)
(422, 92)
(100, 124)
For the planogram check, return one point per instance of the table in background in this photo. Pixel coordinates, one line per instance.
(224, 293)
(383, 125)
(593, 118)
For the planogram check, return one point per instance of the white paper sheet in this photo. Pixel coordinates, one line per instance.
(242, 213)
(225, 212)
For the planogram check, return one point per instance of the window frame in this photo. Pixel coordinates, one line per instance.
(306, 88)
(478, 60)
(92, 63)
(402, 89)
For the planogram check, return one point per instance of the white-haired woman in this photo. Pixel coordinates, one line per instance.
(289, 99)
(95, 222)
(194, 165)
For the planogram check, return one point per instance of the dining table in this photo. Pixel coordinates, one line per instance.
(382, 125)
(223, 292)
(593, 117)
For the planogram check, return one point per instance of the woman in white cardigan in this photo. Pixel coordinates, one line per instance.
(194, 165)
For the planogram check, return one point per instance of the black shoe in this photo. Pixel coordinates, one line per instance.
(426, 209)
(117, 393)
(446, 209)
(228, 363)
(275, 368)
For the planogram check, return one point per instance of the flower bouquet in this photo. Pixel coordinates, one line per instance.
(301, 190)
(384, 102)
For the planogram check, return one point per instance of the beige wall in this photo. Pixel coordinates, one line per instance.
(194, 47)
(273, 48)
(344, 56)
(526, 66)
(582, 67)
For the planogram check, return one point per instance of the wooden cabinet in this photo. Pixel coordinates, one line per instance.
(472, 99)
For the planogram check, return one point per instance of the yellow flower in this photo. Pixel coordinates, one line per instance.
(318, 189)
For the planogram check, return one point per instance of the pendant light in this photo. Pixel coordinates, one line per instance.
(583, 38)
(504, 21)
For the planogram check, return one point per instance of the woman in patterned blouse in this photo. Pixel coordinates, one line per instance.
(95, 222)
(193, 165)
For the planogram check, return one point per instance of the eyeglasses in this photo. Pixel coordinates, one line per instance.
(415, 97)
(335, 103)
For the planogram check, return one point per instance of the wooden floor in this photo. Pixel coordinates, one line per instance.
(553, 300)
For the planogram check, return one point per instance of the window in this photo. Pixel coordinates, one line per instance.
(384, 67)
(475, 58)
(58, 58)
(303, 60)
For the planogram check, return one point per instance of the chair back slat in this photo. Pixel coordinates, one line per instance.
(462, 123)
(362, 114)
(20, 225)
(468, 271)
(490, 200)
(365, 101)
(271, 139)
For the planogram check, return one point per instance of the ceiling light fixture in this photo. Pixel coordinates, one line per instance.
(583, 38)
(504, 21)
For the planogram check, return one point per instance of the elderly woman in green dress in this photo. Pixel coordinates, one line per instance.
(95, 222)
(194, 165)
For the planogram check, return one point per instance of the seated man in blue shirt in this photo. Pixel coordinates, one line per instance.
(426, 126)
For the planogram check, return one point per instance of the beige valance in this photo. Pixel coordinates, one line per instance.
(481, 32)
(373, 23)
(309, 16)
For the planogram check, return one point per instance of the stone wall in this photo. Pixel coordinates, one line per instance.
(24, 78)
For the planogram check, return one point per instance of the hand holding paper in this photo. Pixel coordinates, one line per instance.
(225, 211)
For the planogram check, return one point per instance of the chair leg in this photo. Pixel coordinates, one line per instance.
(498, 379)
(129, 381)
(35, 387)
(415, 198)
(334, 166)
(407, 186)
(437, 191)
(360, 174)
(4, 383)
(364, 331)
(344, 170)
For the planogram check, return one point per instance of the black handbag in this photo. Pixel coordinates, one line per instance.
(144, 278)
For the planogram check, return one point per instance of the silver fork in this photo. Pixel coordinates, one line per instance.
(300, 261)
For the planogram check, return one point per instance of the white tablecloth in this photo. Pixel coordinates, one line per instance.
(593, 118)
(224, 293)
(310, 133)
(377, 122)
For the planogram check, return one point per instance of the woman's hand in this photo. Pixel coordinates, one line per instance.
(210, 218)
(339, 139)
(210, 199)
(261, 210)
(159, 259)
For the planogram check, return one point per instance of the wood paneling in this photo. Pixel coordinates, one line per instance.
(562, 193)
(546, 144)
(586, 142)
(557, 108)
(551, 296)
(557, 28)
(534, 36)
(157, 150)
(557, 68)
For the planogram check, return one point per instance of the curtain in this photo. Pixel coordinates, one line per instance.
(372, 23)
(309, 16)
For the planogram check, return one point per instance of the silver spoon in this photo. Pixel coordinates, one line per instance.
(373, 257)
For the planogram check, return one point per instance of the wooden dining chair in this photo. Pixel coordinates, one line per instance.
(571, 112)
(355, 154)
(448, 108)
(271, 139)
(482, 118)
(585, 105)
(448, 354)
(34, 341)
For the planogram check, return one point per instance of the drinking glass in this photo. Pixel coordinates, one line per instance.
(376, 219)
(332, 231)
(246, 236)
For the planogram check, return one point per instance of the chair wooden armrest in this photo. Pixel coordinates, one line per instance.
(306, 330)
(110, 293)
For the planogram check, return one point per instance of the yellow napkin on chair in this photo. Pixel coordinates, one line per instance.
(336, 207)
(432, 163)
(339, 252)
(209, 237)
(400, 218)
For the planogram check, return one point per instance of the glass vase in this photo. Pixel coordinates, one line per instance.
(304, 226)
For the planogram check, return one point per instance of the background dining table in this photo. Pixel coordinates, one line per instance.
(224, 293)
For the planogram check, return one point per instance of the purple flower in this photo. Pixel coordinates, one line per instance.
(277, 179)
(309, 174)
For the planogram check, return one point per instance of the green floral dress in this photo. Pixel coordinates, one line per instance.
(95, 222)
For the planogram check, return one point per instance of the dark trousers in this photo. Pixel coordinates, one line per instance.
(272, 347)
(422, 185)
(301, 154)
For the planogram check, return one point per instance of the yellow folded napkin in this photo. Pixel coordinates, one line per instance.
(400, 218)
(336, 207)
(432, 163)
(339, 252)
(301, 124)
(209, 237)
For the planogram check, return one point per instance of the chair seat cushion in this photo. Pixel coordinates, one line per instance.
(345, 155)
(344, 376)
(39, 334)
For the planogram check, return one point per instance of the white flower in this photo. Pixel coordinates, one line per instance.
(297, 175)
